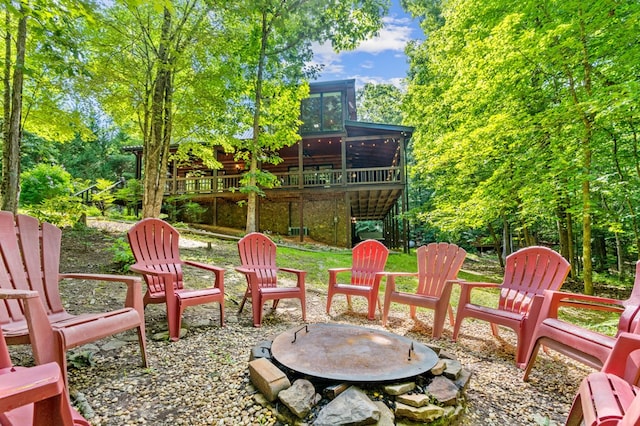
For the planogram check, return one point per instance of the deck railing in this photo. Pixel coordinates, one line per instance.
(307, 179)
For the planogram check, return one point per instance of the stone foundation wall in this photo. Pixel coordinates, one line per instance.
(325, 219)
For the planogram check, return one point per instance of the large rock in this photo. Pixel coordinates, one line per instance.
(399, 388)
(428, 413)
(261, 350)
(300, 398)
(443, 390)
(414, 399)
(351, 407)
(387, 418)
(453, 370)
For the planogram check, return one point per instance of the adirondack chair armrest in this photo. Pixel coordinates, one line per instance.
(127, 279)
(134, 286)
(245, 270)
(44, 343)
(28, 385)
(293, 271)
(252, 278)
(467, 286)
(533, 315)
(333, 274)
(391, 279)
(379, 276)
(142, 269)
(10, 293)
(217, 271)
(555, 299)
(300, 274)
(200, 265)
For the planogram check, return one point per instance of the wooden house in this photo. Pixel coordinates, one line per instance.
(341, 172)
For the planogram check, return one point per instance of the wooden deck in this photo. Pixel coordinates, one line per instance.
(295, 180)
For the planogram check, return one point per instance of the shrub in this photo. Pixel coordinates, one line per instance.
(43, 182)
(122, 254)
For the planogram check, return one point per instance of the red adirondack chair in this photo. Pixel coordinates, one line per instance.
(258, 258)
(611, 396)
(35, 395)
(155, 247)
(367, 269)
(438, 264)
(528, 272)
(30, 261)
(586, 346)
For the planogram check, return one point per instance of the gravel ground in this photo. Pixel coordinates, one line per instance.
(203, 378)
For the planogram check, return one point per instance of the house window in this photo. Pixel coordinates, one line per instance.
(322, 112)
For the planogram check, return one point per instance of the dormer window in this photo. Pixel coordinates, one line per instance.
(322, 112)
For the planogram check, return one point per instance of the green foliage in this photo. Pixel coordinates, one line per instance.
(523, 116)
(122, 255)
(45, 181)
(80, 155)
(182, 208)
(104, 198)
(380, 103)
(131, 194)
(192, 212)
(61, 210)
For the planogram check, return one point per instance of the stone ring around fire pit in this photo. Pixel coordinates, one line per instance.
(364, 374)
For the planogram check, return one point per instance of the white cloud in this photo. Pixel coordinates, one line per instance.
(382, 55)
(394, 36)
(330, 61)
(361, 80)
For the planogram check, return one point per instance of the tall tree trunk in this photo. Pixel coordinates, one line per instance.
(587, 268)
(252, 201)
(13, 132)
(6, 102)
(619, 254)
(158, 139)
(575, 268)
(563, 233)
(587, 121)
(496, 244)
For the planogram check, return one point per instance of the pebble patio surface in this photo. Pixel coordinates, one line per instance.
(203, 379)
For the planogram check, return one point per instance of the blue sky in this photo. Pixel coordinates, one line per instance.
(378, 60)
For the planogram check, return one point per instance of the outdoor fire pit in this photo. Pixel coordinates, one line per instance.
(351, 354)
(329, 374)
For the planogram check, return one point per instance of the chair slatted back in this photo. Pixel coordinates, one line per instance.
(258, 252)
(369, 257)
(437, 263)
(154, 244)
(30, 261)
(528, 272)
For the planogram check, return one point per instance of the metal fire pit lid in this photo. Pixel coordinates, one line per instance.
(351, 353)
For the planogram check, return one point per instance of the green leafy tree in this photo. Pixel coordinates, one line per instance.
(39, 58)
(380, 103)
(149, 62)
(278, 39)
(517, 106)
